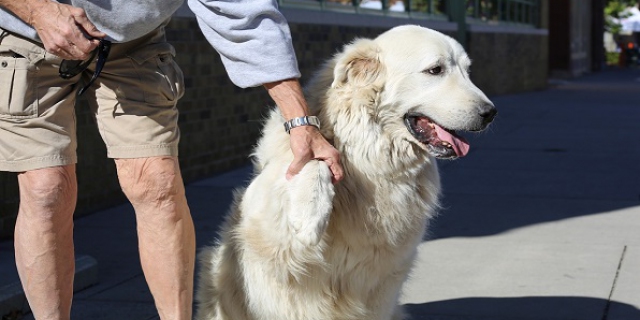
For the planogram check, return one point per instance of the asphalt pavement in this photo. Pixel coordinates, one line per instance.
(541, 221)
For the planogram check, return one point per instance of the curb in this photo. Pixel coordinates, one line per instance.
(12, 297)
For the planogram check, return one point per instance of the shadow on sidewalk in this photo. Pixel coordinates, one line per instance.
(547, 308)
(550, 155)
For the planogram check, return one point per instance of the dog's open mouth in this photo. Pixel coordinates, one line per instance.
(440, 142)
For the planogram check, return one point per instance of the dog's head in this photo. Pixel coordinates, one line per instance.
(414, 84)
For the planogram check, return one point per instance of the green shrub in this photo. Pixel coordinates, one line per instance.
(612, 58)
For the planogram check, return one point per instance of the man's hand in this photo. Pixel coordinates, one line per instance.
(63, 29)
(306, 142)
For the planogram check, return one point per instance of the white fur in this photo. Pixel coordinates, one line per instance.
(308, 249)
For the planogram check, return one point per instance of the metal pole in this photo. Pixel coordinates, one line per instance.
(456, 10)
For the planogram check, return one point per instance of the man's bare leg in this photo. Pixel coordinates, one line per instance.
(165, 231)
(44, 240)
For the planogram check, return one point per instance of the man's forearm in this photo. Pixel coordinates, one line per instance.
(289, 98)
(23, 9)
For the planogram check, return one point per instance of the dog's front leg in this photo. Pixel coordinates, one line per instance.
(310, 202)
(383, 301)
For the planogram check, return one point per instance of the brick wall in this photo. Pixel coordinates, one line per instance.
(505, 63)
(220, 123)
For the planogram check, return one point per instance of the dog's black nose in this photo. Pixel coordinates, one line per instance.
(488, 112)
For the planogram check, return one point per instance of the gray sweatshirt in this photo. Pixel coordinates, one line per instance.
(251, 36)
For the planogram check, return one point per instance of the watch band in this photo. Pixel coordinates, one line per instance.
(302, 121)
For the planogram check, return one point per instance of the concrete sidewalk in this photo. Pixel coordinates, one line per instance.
(541, 220)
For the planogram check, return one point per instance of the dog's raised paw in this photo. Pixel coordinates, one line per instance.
(311, 201)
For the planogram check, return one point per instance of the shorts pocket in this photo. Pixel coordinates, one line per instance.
(161, 78)
(17, 90)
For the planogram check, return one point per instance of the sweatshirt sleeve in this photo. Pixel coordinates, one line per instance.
(252, 38)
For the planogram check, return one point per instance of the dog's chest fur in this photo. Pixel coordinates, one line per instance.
(389, 211)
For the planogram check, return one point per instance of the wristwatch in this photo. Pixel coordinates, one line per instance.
(302, 121)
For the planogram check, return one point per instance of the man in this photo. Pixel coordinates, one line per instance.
(135, 108)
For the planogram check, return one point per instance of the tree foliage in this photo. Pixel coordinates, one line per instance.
(614, 11)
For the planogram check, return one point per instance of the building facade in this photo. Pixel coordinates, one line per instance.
(576, 29)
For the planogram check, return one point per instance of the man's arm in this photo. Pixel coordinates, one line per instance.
(61, 27)
(252, 38)
(254, 42)
(306, 142)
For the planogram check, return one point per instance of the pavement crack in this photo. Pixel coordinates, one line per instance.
(605, 314)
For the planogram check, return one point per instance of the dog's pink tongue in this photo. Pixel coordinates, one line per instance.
(460, 144)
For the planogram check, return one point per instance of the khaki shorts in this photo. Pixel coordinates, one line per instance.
(133, 101)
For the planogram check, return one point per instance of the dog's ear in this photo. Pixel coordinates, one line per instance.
(359, 64)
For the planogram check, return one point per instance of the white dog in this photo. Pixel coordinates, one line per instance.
(307, 249)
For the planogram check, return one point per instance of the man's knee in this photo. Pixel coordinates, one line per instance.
(150, 180)
(49, 189)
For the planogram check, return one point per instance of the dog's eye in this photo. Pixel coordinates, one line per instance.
(435, 71)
